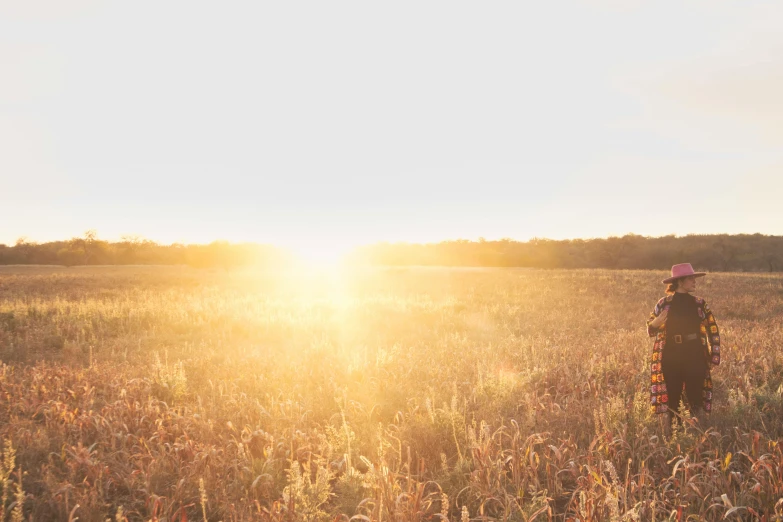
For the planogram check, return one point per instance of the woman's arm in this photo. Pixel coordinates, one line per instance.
(657, 318)
(713, 335)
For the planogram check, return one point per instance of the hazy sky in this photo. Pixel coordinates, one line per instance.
(351, 122)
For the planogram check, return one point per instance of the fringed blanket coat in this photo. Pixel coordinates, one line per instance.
(710, 340)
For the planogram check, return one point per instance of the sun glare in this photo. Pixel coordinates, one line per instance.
(320, 255)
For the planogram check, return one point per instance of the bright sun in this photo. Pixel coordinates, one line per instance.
(320, 254)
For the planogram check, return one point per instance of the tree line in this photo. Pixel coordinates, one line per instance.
(134, 250)
(743, 252)
(723, 252)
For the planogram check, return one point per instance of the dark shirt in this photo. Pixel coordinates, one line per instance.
(683, 318)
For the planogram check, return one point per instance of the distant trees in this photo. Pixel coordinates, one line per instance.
(87, 250)
(743, 252)
(134, 249)
(90, 250)
(722, 252)
(23, 249)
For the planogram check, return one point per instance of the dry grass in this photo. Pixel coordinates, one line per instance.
(144, 393)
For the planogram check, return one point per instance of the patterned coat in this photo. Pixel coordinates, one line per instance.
(710, 339)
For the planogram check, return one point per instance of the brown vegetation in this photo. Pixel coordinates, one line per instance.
(742, 253)
(133, 250)
(155, 393)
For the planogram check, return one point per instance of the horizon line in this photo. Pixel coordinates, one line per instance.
(125, 237)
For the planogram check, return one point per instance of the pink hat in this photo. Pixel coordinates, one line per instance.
(682, 270)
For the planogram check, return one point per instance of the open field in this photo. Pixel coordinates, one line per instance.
(389, 394)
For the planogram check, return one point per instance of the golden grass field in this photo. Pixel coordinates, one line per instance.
(172, 394)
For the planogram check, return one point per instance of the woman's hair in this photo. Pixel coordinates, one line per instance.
(672, 287)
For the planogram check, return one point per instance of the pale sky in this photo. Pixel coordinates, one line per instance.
(342, 123)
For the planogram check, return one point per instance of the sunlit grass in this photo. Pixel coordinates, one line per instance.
(309, 394)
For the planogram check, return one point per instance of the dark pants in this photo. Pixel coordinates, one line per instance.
(684, 364)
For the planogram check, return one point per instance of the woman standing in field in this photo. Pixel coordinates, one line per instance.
(687, 341)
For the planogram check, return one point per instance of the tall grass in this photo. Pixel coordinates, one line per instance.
(149, 393)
